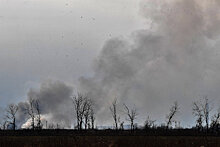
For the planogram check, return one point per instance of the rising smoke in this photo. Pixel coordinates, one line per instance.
(55, 104)
(174, 58)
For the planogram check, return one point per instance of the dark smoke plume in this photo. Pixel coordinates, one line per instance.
(55, 104)
(175, 58)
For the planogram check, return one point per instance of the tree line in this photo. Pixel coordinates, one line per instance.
(83, 108)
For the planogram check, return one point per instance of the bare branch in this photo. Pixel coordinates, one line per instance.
(82, 106)
(173, 111)
(131, 114)
(11, 111)
(113, 109)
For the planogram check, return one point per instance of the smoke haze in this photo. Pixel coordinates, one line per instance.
(55, 104)
(174, 58)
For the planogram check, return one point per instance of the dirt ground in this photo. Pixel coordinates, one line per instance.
(109, 141)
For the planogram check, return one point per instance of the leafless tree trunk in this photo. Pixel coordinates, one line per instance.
(206, 110)
(92, 118)
(113, 109)
(80, 104)
(87, 113)
(173, 111)
(46, 125)
(122, 125)
(38, 117)
(77, 101)
(30, 111)
(51, 126)
(197, 112)
(11, 111)
(215, 121)
(201, 110)
(132, 114)
(149, 123)
(4, 125)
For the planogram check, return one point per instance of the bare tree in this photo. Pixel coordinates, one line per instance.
(206, 110)
(215, 121)
(122, 125)
(38, 113)
(46, 125)
(11, 111)
(113, 109)
(131, 115)
(29, 109)
(174, 109)
(198, 113)
(51, 126)
(88, 105)
(92, 117)
(149, 123)
(80, 103)
(201, 110)
(4, 125)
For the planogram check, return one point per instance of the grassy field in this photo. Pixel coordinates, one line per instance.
(102, 141)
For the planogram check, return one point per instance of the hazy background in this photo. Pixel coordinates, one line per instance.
(147, 53)
(56, 39)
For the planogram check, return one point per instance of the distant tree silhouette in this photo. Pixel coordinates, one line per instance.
(46, 124)
(113, 109)
(30, 111)
(92, 117)
(215, 121)
(11, 111)
(78, 103)
(52, 126)
(149, 123)
(87, 113)
(198, 113)
(82, 106)
(206, 111)
(174, 109)
(4, 124)
(131, 115)
(85, 117)
(122, 125)
(201, 110)
(38, 114)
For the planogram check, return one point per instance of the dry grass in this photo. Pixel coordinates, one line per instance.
(102, 141)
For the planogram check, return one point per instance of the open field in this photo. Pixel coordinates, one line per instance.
(102, 139)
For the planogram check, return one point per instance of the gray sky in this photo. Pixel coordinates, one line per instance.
(147, 53)
(54, 39)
